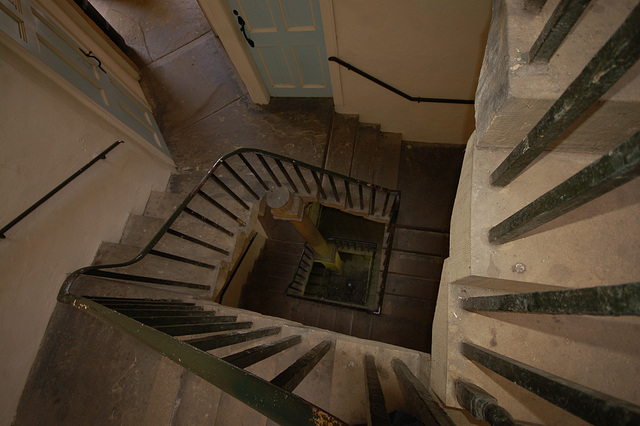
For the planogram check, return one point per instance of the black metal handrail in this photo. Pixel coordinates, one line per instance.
(291, 409)
(397, 91)
(51, 193)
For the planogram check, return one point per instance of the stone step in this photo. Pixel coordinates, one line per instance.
(270, 282)
(364, 153)
(284, 246)
(139, 230)
(348, 391)
(163, 204)
(416, 265)
(198, 401)
(387, 160)
(408, 286)
(154, 266)
(417, 310)
(276, 269)
(267, 302)
(421, 241)
(274, 255)
(513, 95)
(401, 332)
(95, 286)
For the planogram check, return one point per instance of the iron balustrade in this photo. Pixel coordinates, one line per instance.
(591, 405)
(55, 190)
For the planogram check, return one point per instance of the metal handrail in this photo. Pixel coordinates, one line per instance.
(51, 193)
(398, 91)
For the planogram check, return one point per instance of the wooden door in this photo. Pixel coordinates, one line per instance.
(288, 45)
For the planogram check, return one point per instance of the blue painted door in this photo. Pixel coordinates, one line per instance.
(288, 45)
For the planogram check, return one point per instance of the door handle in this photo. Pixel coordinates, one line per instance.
(242, 30)
(91, 55)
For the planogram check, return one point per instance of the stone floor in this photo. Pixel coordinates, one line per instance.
(202, 106)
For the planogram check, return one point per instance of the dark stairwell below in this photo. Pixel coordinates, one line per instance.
(427, 176)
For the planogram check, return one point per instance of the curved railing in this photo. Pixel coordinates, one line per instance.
(252, 170)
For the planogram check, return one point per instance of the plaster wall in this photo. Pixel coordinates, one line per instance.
(49, 132)
(424, 48)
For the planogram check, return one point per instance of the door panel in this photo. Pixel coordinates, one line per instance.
(258, 15)
(289, 47)
(277, 68)
(297, 15)
(309, 65)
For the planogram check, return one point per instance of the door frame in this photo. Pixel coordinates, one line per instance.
(223, 22)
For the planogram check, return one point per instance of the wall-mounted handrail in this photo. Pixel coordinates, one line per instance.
(38, 203)
(397, 91)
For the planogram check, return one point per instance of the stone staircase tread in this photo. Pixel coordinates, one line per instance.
(421, 241)
(199, 401)
(270, 282)
(280, 257)
(418, 310)
(284, 246)
(268, 302)
(417, 265)
(387, 160)
(154, 266)
(409, 286)
(364, 153)
(163, 204)
(140, 229)
(401, 332)
(275, 268)
(341, 144)
(95, 286)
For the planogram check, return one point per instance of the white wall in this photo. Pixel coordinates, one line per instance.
(48, 131)
(425, 48)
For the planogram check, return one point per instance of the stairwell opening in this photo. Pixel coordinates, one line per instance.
(359, 242)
